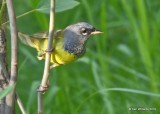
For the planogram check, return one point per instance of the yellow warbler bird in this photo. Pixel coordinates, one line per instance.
(68, 44)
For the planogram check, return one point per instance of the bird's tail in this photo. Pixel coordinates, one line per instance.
(26, 39)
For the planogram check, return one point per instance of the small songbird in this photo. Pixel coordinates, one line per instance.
(68, 44)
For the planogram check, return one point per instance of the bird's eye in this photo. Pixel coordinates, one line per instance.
(84, 31)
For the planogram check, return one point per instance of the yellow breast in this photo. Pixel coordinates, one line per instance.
(60, 56)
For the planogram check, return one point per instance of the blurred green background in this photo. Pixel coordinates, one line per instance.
(120, 70)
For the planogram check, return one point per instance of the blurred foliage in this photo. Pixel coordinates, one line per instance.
(125, 59)
(60, 5)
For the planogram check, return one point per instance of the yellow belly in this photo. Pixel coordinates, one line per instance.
(62, 57)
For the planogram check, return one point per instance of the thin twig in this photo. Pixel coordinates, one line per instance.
(20, 104)
(24, 14)
(47, 60)
(40, 103)
(10, 99)
(50, 45)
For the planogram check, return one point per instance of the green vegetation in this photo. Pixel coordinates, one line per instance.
(6, 91)
(121, 68)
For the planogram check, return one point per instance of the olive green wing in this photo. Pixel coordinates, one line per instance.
(40, 35)
(38, 40)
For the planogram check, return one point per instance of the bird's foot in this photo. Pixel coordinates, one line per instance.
(49, 51)
(43, 89)
(41, 53)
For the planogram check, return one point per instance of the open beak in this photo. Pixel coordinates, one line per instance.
(96, 32)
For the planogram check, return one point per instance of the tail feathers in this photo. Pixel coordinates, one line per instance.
(26, 39)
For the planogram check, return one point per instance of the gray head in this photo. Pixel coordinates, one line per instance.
(76, 35)
(82, 29)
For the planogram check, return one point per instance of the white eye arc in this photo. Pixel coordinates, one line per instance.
(84, 31)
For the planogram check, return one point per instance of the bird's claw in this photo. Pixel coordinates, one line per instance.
(41, 53)
(49, 51)
(42, 89)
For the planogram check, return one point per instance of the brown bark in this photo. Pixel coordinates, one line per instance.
(3, 57)
(3, 79)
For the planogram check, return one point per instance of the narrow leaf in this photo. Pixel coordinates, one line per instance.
(6, 91)
(61, 5)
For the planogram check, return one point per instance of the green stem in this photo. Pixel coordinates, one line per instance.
(24, 14)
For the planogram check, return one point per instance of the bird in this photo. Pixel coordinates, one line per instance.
(69, 44)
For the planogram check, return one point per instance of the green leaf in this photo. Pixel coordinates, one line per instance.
(6, 91)
(61, 5)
